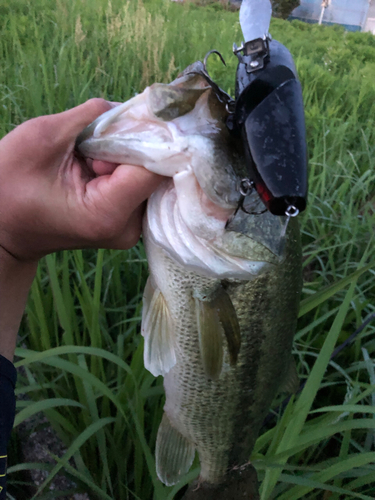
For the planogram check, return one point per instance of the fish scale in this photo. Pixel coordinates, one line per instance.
(222, 418)
(190, 396)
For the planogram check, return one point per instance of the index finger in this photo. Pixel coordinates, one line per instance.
(121, 192)
(102, 167)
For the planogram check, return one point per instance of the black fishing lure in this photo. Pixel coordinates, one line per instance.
(268, 115)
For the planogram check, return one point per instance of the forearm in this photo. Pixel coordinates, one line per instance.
(15, 281)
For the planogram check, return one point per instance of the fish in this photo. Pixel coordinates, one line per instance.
(221, 301)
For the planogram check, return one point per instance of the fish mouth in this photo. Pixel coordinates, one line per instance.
(126, 131)
(128, 140)
(183, 222)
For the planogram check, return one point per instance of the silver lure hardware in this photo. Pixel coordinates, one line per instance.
(257, 51)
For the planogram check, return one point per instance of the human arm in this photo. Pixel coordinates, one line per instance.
(50, 199)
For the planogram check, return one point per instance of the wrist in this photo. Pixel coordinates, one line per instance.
(16, 277)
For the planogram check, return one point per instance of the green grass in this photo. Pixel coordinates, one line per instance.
(83, 364)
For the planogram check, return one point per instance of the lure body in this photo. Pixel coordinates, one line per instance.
(269, 117)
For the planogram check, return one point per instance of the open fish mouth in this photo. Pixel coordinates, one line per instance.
(178, 130)
(194, 232)
(131, 133)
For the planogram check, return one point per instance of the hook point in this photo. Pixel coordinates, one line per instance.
(214, 51)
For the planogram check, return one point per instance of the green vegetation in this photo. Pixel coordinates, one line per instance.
(83, 364)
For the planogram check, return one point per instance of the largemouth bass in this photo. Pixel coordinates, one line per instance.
(221, 302)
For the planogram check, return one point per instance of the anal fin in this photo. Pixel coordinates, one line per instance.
(291, 381)
(174, 453)
(157, 330)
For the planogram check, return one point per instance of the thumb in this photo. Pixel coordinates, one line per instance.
(73, 121)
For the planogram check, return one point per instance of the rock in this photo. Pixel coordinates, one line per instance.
(39, 443)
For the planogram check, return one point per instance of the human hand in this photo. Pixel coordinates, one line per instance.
(50, 199)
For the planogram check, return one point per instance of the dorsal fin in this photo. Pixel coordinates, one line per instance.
(157, 330)
(291, 380)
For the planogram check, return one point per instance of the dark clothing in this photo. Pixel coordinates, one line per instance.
(8, 377)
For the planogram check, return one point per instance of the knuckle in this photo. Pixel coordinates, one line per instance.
(109, 231)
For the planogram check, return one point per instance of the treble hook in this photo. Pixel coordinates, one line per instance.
(220, 93)
(214, 51)
(246, 188)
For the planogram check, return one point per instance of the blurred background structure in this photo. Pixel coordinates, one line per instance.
(354, 15)
(370, 24)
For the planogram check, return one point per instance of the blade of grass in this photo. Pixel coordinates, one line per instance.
(319, 297)
(41, 406)
(304, 402)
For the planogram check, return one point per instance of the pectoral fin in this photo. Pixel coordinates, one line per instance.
(174, 453)
(229, 321)
(157, 330)
(210, 338)
(215, 316)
